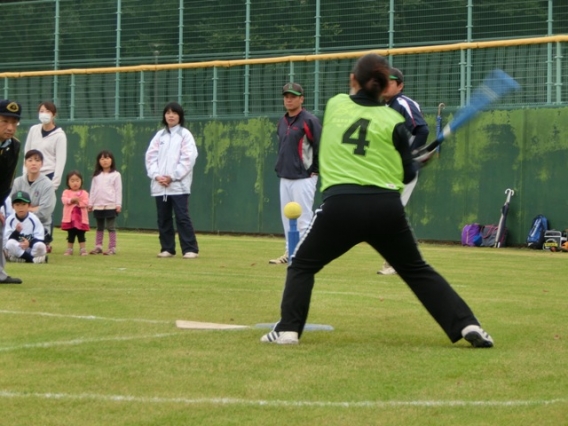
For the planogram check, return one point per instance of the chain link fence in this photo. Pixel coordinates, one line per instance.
(67, 41)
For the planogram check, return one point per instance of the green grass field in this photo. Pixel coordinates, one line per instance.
(92, 340)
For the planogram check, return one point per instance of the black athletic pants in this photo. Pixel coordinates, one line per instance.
(343, 221)
(167, 207)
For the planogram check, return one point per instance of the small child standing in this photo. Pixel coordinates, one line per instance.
(105, 201)
(75, 218)
(23, 233)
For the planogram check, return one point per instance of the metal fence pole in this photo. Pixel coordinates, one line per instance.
(117, 59)
(317, 51)
(291, 72)
(549, 83)
(214, 98)
(246, 94)
(391, 27)
(180, 53)
(56, 34)
(558, 84)
(462, 88)
(468, 64)
(141, 99)
(156, 54)
(72, 98)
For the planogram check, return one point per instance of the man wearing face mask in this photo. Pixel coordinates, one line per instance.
(51, 141)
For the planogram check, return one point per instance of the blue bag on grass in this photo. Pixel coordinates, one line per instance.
(539, 226)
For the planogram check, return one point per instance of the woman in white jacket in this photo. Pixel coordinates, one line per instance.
(170, 159)
(51, 141)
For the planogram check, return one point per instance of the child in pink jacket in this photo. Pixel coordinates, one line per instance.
(75, 218)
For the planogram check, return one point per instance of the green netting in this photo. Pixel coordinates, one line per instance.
(68, 34)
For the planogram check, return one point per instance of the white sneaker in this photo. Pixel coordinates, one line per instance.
(165, 254)
(282, 260)
(190, 255)
(281, 337)
(389, 270)
(478, 337)
(15, 259)
(40, 259)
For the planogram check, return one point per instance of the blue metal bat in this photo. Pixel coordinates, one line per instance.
(497, 84)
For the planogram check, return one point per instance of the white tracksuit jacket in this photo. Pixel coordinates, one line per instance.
(171, 153)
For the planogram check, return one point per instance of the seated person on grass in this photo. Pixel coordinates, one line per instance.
(40, 188)
(5, 211)
(23, 233)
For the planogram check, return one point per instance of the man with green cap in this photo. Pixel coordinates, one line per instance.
(297, 166)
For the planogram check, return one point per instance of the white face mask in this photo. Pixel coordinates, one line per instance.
(45, 117)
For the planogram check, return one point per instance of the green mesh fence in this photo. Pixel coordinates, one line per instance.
(74, 34)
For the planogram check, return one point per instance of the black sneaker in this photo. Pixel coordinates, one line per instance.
(11, 280)
(478, 338)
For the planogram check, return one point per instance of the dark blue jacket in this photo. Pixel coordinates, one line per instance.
(414, 119)
(298, 145)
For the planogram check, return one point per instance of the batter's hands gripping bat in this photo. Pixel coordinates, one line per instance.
(496, 85)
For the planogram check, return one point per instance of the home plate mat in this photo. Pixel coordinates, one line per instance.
(197, 325)
(307, 327)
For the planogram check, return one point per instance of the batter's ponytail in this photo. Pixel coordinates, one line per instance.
(372, 73)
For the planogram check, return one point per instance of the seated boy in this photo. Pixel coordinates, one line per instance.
(40, 187)
(23, 232)
(5, 211)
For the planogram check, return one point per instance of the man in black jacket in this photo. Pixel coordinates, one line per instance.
(9, 150)
(297, 166)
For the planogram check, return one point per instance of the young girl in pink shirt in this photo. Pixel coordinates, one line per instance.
(105, 201)
(75, 218)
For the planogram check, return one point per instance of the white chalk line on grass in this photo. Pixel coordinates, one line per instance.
(75, 342)
(277, 403)
(85, 317)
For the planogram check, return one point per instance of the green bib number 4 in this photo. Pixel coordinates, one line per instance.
(356, 135)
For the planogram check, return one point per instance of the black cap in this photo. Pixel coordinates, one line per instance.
(10, 108)
(293, 88)
(21, 196)
(396, 74)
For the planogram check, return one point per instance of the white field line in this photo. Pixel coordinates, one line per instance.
(85, 317)
(75, 342)
(277, 403)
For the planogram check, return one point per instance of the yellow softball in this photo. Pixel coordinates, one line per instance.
(292, 210)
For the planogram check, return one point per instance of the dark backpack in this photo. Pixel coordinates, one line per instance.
(489, 235)
(471, 234)
(539, 226)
